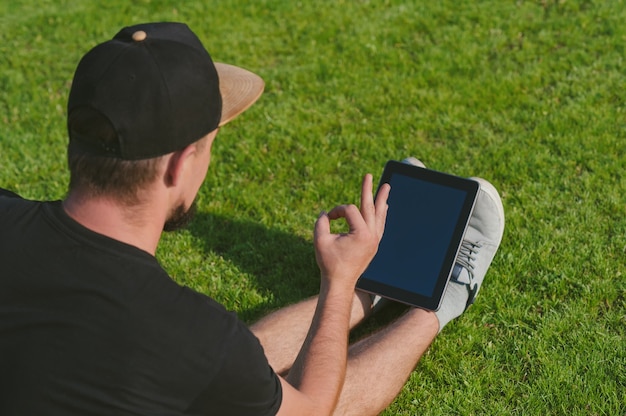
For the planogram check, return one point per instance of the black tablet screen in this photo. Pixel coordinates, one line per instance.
(420, 228)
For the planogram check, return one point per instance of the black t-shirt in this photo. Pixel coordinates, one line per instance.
(93, 326)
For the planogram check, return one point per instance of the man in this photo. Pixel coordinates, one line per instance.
(90, 324)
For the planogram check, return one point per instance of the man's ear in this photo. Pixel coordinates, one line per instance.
(176, 165)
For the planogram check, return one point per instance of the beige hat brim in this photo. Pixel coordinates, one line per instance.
(240, 89)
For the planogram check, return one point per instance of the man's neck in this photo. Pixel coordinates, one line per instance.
(140, 226)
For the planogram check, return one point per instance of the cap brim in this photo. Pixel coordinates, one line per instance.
(240, 88)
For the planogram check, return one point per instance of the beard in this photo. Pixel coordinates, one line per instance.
(180, 217)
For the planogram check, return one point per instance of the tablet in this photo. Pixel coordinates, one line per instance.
(427, 217)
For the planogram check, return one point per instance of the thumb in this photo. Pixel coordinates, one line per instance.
(322, 226)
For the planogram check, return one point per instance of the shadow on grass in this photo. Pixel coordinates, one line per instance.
(281, 263)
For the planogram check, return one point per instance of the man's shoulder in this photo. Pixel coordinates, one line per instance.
(9, 199)
(12, 207)
(8, 194)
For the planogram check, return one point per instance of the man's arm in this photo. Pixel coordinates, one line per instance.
(316, 378)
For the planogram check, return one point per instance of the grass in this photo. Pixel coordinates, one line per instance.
(528, 94)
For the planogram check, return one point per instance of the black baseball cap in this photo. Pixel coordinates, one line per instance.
(159, 89)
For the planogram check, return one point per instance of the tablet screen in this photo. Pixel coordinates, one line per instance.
(426, 221)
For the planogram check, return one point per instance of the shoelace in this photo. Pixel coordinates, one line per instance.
(465, 260)
(467, 255)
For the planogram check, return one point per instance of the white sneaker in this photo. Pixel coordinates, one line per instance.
(481, 241)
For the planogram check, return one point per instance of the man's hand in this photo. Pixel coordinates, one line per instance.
(346, 256)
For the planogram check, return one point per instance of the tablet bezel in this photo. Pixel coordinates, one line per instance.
(471, 187)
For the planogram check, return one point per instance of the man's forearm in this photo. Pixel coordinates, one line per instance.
(282, 333)
(319, 370)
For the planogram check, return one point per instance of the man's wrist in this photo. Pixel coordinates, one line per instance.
(338, 284)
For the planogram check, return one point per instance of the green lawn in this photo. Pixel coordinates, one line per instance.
(528, 94)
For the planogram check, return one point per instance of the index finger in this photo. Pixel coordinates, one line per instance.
(351, 214)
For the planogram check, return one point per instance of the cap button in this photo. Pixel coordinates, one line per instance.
(139, 35)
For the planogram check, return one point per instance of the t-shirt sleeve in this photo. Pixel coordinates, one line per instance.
(245, 382)
(8, 194)
(9, 207)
